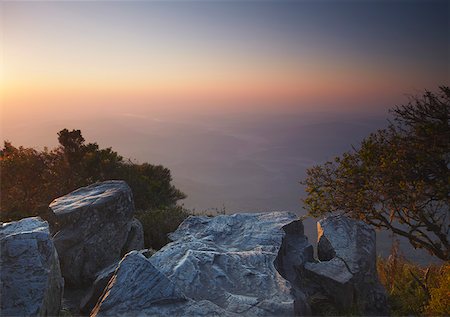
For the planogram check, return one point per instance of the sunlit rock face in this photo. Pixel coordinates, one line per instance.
(31, 282)
(229, 260)
(346, 272)
(96, 229)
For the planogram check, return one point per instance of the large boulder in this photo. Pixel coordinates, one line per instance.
(96, 228)
(229, 260)
(346, 274)
(137, 288)
(31, 282)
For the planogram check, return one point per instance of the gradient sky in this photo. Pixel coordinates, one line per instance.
(77, 58)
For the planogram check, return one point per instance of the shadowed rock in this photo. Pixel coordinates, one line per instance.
(294, 253)
(31, 282)
(347, 273)
(135, 239)
(95, 291)
(96, 229)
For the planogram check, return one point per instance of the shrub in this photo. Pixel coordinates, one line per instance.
(159, 223)
(415, 290)
(31, 179)
(439, 303)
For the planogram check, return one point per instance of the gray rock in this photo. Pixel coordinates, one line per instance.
(229, 260)
(31, 282)
(95, 223)
(138, 288)
(135, 240)
(250, 265)
(294, 253)
(95, 291)
(346, 273)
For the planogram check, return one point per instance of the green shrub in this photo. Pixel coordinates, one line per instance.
(159, 223)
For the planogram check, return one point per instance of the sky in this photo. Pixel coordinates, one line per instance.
(86, 57)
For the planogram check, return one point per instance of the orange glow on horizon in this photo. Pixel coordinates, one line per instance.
(267, 87)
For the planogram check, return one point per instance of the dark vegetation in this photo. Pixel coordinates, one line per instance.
(397, 179)
(31, 179)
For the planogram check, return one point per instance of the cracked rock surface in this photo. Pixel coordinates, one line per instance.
(31, 282)
(96, 229)
(229, 260)
(250, 265)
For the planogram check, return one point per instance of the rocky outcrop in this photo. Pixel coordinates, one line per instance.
(251, 265)
(229, 261)
(346, 274)
(31, 282)
(138, 288)
(96, 228)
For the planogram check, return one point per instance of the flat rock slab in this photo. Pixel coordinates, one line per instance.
(96, 229)
(31, 282)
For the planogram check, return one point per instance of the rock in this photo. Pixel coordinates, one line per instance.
(347, 274)
(229, 260)
(31, 282)
(135, 240)
(138, 288)
(249, 265)
(95, 291)
(294, 253)
(96, 229)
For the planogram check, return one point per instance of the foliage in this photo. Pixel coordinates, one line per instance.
(398, 178)
(31, 179)
(159, 223)
(439, 303)
(415, 290)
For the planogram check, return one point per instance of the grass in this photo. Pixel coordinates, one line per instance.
(413, 289)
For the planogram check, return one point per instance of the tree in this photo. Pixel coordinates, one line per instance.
(397, 179)
(31, 179)
(72, 143)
